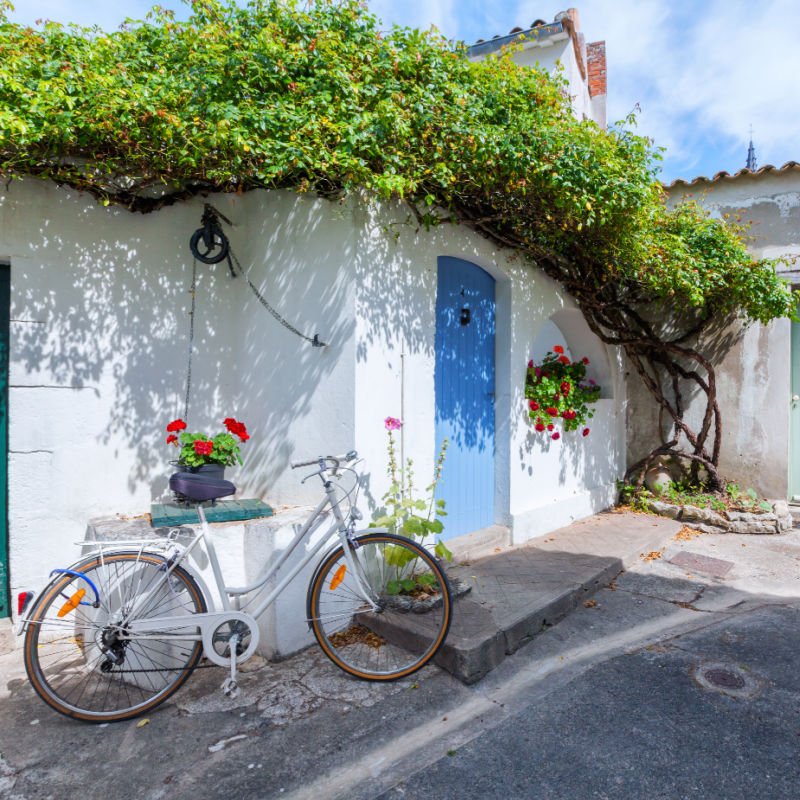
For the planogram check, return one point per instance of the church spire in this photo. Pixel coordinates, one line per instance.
(751, 164)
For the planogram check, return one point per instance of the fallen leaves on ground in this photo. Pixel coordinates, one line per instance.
(686, 534)
(590, 604)
(653, 555)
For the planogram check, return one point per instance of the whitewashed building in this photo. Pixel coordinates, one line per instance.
(757, 366)
(98, 339)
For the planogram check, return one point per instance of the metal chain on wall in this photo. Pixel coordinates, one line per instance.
(210, 245)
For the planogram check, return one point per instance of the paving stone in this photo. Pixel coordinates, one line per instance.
(699, 563)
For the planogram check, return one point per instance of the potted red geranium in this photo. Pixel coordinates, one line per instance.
(200, 452)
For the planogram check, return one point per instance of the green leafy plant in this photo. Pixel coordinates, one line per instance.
(733, 498)
(406, 513)
(557, 391)
(197, 449)
(274, 94)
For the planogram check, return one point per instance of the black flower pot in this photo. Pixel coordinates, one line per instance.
(211, 470)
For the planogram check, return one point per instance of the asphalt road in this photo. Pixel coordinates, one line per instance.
(668, 686)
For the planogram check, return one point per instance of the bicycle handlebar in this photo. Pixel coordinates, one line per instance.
(352, 455)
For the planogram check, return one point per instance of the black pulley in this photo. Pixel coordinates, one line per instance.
(209, 243)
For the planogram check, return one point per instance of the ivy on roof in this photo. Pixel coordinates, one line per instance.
(278, 95)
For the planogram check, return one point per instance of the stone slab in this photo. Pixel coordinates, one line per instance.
(700, 563)
(169, 514)
(526, 589)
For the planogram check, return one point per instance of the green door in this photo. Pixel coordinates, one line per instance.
(794, 424)
(5, 298)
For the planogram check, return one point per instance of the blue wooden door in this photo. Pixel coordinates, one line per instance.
(464, 379)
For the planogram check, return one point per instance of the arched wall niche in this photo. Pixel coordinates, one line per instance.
(568, 328)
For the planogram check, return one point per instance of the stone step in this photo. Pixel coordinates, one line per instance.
(521, 592)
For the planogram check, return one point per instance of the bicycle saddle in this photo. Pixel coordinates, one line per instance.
(200, 488)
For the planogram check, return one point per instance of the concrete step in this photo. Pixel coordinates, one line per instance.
(526, 589)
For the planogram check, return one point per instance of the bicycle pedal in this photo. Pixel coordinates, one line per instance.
(230, 688)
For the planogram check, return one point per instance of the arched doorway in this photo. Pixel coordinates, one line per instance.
(465, 393)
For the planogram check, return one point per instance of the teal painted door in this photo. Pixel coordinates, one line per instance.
(464, 381)
(5, 298)
(794, 421)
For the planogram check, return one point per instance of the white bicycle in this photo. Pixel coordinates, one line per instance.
(118, 632)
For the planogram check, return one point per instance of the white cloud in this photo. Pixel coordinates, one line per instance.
(86, 12)
(419, 14)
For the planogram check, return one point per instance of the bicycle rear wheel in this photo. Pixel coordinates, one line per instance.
(405, 623)
(78, 655)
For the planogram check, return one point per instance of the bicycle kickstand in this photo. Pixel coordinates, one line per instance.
(230, 686)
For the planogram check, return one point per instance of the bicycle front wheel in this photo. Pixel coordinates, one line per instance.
(80, 658)
(384, 612)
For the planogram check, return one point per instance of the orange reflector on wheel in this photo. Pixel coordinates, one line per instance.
(338, 577)
(72, 603)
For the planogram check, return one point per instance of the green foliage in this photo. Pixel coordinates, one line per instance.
(407, 514)
(316, 98)
(681, 494)
(225, 450)
(557, 390)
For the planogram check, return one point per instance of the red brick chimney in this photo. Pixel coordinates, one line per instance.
(596, 64)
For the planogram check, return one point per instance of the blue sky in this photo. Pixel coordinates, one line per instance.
(702, 71)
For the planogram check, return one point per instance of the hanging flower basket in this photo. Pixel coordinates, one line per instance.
(559, 394)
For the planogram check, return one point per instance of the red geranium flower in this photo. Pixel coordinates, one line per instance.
(558, 349)
(563, 360)
(586, 431)
(176, 425)
(550, 426)
(172, 438)
(585, 360)
(533, 405)
(565, 387)
(237, 428)
(553, 412)
(556, 435)
(530, 364)
(539, 426)
(203, 448)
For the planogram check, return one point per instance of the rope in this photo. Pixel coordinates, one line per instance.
(193, 292)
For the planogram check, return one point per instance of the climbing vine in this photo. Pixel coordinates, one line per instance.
(317, 98)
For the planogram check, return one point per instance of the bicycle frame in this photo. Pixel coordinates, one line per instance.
(230, 596)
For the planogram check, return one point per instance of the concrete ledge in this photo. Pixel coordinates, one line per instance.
(480, 543)
(558, 512)
(525, 590)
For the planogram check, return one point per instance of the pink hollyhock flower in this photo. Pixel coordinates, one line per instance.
(392, 424)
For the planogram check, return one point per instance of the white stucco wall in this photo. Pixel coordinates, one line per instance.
(753, 363)
(99, 342)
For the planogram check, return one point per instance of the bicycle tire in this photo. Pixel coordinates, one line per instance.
(68, 658)
(406, 631)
